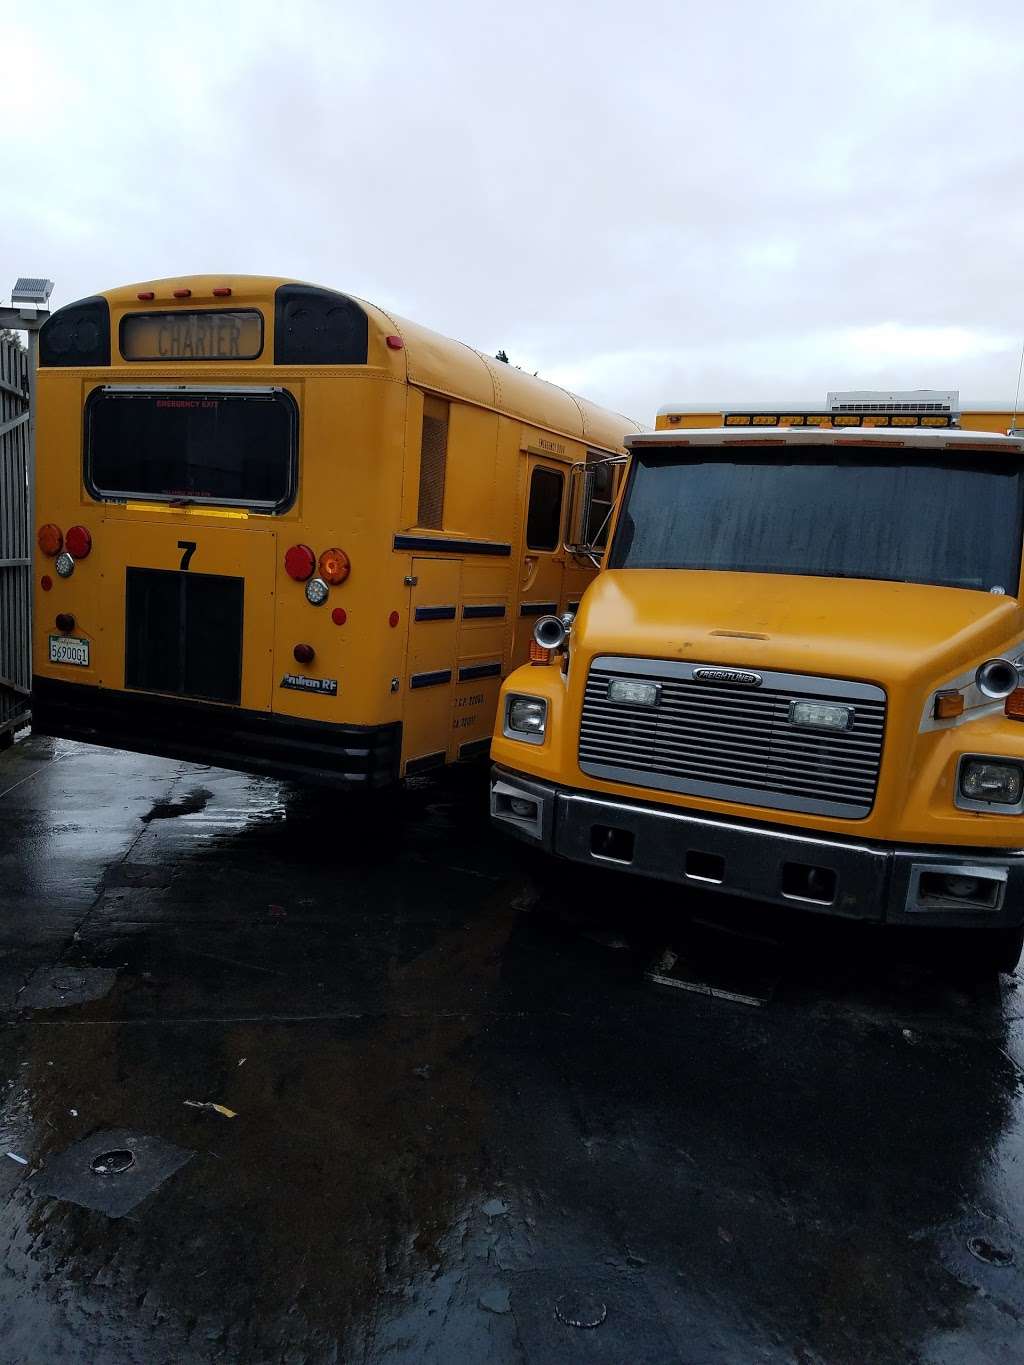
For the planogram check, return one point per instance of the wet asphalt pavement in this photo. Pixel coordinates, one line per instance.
(464, 1117)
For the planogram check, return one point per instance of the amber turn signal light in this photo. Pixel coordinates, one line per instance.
(948, 705)
(51, 539)
(1014, 707)
(539, 654)
(334, 566)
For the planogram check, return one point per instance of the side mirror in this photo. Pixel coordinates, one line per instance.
(592, 488)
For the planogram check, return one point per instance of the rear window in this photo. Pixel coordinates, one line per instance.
(234, 447)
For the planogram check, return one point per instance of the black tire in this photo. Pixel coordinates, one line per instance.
(986, 952)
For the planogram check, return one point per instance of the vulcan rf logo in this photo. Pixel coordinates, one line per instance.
(736, 676)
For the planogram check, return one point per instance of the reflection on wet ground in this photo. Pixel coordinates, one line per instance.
(430, 1104)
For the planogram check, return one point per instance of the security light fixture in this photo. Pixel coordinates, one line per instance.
(31, 292)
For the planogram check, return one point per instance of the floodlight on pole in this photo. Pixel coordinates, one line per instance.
(31, 292)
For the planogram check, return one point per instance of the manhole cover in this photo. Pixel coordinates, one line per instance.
(580, 1309)
(988, 1252)
(113, 1163)
(111, 1171)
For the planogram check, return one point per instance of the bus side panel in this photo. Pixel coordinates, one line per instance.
(434, 603)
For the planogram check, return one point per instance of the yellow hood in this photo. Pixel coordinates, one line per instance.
(891, 633)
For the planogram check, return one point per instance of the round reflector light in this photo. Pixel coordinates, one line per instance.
(304, 654)
(339, 616)
(65, 621)
(51, 539)
(393, 620)
(317, 592)
(78, 542)
(334, 566)
(299, 563)
(64, 565)
(46, 582)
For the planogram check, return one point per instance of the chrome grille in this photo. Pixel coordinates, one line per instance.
(734, 742)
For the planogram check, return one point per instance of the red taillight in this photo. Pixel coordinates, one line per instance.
(339, 616)
(145, 295)
(78, 542)
(51, 539)
(304, 654)
(65, 621)
(395, 343)
(183, 293)
(299, 563)
(223, 291)
(334, 566)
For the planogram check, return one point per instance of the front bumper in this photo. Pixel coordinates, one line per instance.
(858, 879)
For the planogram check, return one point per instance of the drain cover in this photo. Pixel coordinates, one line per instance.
(580, 1309)
(111, 1171)
(113, 1163)
(54, 988)
(988, 1252)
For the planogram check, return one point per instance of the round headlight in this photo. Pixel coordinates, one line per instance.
(317, 592)
(64, 564)
(996, 678)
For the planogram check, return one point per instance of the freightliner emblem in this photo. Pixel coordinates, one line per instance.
(736, 676)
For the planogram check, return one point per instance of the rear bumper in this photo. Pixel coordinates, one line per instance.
(345, 756)
(858, 879)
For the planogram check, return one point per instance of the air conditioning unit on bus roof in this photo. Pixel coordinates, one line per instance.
(893, 400)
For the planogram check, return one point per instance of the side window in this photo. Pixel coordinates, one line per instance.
(433, 462)
(599, 510)
(544, 516)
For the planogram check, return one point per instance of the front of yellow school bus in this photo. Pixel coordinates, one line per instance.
(216, 456)
(796, 679)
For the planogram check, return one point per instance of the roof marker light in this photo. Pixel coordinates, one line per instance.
(145, 295)
(223, 291)
(395, 343)
(183, 293)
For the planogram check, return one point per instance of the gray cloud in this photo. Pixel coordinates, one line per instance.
(653, 202)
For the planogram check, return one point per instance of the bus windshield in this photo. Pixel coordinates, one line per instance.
(211, 445)
(948, 519)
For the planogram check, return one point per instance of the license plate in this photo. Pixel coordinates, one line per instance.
(67, 649)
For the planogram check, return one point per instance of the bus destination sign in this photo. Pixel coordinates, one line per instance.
(203, 335)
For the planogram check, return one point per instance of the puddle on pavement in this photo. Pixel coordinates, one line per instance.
(191, 803)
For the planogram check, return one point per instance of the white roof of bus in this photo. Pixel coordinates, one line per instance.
(801, 405)
(930, 438)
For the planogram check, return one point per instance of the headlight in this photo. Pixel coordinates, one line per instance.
(821, 715)
(991, 782)
(526, 718)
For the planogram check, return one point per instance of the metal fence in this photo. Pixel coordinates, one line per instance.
(15, 541)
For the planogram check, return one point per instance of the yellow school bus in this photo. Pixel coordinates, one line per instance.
(797, 678)
(284, 531)
(927, 408)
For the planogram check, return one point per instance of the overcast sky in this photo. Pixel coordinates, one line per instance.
(646, 202)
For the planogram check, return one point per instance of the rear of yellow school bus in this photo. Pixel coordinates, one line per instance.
(176, 504)
(283, 531)
(796, 679)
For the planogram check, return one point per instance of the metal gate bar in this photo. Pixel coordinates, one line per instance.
(15, 545)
